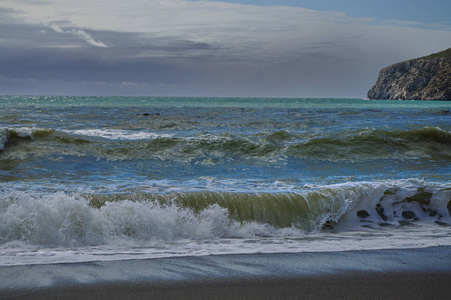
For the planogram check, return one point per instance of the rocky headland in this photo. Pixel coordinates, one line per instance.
(424, 78)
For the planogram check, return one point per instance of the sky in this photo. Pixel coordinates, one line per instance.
(238, 48)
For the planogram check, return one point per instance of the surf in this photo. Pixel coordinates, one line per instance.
(75, 219)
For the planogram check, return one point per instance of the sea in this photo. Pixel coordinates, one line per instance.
(86, 179)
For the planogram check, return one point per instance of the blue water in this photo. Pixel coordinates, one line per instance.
(132, 171)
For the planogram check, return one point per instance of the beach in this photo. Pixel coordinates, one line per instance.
(388, 274)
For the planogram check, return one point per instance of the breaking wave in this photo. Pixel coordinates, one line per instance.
(62, 219)
(10, 136)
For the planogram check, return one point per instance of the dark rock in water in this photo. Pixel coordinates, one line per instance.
(424, 78)
(366, 221)
(441, 223)
(422, 197)
(390, 191)
(380, 212)
(405, 223)
(147, 114)
(432, 213)
(327, 225)
(363, 214)
(408, 214)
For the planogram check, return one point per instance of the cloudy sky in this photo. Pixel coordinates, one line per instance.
(268, 48)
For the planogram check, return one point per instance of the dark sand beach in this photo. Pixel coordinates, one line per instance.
(379, 285)
(389, 274)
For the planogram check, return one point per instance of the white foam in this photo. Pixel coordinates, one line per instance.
(118, 134)
(392, 205)
(401, 238)
(61, 220)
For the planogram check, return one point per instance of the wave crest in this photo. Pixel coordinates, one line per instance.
(71, 220)
(363, 145)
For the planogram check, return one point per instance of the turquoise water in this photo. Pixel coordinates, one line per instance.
(127, 102)
(138, 172)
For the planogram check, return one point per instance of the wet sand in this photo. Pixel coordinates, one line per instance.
(383, 274)
(345, 286)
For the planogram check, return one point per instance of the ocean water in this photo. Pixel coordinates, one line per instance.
(113, 178)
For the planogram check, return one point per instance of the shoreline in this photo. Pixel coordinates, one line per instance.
(421, 272)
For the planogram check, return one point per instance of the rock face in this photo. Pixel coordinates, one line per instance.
(424, 78)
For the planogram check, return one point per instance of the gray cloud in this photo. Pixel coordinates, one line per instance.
(33, 52)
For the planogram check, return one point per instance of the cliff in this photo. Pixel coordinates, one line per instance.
(424, 78)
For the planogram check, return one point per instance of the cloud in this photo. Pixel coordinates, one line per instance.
(80, 33)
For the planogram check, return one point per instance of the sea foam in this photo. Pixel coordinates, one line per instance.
(117, 134)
